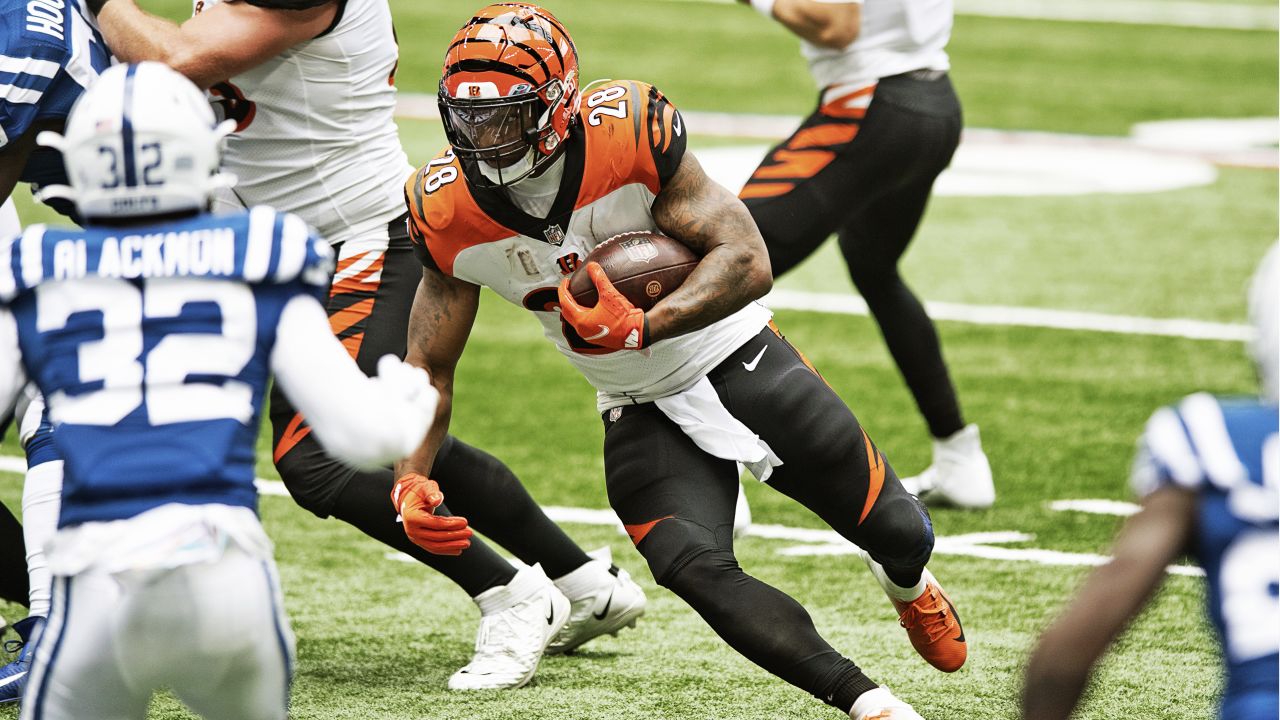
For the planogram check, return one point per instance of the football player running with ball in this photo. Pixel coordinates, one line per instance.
(153, 333)
(539, 174)
(311, 86)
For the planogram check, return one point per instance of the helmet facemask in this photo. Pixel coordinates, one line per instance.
(505, 139)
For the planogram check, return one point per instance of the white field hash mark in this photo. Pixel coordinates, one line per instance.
(847, 304)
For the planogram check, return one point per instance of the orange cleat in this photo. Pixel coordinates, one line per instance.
(934, 627)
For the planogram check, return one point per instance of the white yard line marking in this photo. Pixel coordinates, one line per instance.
(1127, 12)
(1130, 12)
(844, 304)
(1096, 507)
(828, 542)
(816, 542)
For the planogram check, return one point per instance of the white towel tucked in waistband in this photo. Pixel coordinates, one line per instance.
(699, 412)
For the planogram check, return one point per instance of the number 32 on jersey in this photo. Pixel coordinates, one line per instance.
(129, 367)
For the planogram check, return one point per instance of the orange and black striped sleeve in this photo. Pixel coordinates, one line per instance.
(666, 133)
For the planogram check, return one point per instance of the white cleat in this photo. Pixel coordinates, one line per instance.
(960, 475)
(517, 622)
(604, 601)
(880, 704)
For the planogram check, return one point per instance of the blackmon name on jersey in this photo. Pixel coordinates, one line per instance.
(628, 145)
(153, 348)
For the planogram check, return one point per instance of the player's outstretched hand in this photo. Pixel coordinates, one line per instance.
(409, 387)
(416, 497)
(613, 323)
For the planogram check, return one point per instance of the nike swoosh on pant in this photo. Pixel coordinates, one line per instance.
(751, 366)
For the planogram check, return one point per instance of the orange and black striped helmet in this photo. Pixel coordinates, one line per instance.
(509, 90)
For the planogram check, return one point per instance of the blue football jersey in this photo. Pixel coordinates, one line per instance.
(51, 53)
(1227, 452)
(152, 348)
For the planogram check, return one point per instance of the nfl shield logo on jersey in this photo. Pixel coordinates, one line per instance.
(640, 249)
(555, 234)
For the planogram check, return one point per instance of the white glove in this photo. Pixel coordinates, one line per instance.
(411, 397)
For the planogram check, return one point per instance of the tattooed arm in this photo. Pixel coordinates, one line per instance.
(734, 269)
(439, 324)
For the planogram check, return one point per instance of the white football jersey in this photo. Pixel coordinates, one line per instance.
(896, 36)
(316, 133)
(613, 170)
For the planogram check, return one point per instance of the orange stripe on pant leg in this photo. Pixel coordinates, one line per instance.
(764, 190)
(794, 164)
(350, 316)
(803, 358)
(875, 464)
(638, 532)
(352, 344)
(823, 136)
(292, 435)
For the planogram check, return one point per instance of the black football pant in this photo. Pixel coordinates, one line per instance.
(369, 304)
(867, 178)
(14, 581)
(677, 503)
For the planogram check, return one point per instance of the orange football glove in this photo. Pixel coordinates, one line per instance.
(613, 323)
(416, 497)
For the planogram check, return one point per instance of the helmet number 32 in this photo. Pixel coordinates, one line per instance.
(596, 102)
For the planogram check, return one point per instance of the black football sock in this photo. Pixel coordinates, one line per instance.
(366, 503)
(479, 487)
(14, 583)
(768, 627)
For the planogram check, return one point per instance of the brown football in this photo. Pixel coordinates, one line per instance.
(644, 266)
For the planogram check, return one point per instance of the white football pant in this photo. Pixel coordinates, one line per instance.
(214, 632)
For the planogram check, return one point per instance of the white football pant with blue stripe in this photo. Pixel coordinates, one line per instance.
(182, 597)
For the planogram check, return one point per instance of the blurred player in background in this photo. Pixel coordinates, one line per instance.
(310, 84)
(862, 166)
(1208, 471)
(538, 175)
(153, 333)
(50, 53)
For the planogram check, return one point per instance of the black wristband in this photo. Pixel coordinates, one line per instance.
(95, 6)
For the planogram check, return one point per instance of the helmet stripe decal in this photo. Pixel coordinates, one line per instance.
(500, 65)
(546, 71)
(126, 129)
(475, 65)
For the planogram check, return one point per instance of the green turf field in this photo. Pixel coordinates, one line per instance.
(1059, 410)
